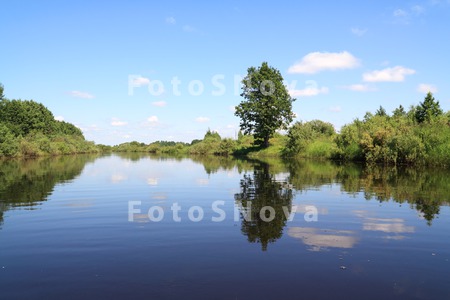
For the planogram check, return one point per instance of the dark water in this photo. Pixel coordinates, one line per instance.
(351, 233)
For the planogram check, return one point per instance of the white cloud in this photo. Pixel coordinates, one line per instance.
(152, 181)
(59, 118)
(202, 119)
(417, 9)
(188, 28)
(202, 181)
(359, 87)
(335, 108)
(159, 103)
(116, 122)
(308, 92)
(116, 178)
(395, 74)
(358, 31)
(425, 88)
(394, 227)
(153, 119)
(171, 20)
(139, 81)
(90, 128)
(151, 122)
(318, 61)
(79, 94)
(400, 13)
(320, 239)
(232, 108)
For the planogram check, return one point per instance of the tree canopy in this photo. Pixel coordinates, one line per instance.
(267, 105)
(1, 91)
(23, 117)
(428, 109)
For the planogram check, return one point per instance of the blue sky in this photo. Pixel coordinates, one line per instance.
(109, 66)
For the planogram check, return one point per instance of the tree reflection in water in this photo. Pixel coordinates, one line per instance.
(257, 190)
(27, 182)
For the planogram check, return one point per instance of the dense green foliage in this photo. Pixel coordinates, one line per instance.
(267, 105)
(428, 109)
(1, 91)
(311, 139)
(418, 136)
(28, 128)
(212, 143)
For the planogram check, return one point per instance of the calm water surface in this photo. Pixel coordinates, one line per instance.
(352, 233)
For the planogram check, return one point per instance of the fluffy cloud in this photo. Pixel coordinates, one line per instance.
(321, 239)
(400, 13)
(425, 88)
(319, 61)
(116, 178)
(335, 108)
(417, 9)
(153, 119)
(59, 118)
(159, 103)
(395, 74)
(116, 122)
(89, 128)
(188, 28)
(171, 20)
(359, 87)
(202, 119)
(308, 92)
(138, 80)
(358, 31)
(407, 15)
(78, 94)
(151, 122)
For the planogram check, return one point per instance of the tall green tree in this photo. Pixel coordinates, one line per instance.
(267, 105)
(381, 112)
(1, 92)
(428, 109)
(399, 111)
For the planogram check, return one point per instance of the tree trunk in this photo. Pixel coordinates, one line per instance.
(266, 142)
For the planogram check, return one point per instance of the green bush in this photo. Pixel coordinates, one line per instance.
(311, 139)
(9, 145)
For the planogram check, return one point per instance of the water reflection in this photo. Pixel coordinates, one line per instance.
(394, 227)
(258, 190)
(319, 239)
(25, 183)
(425, 190)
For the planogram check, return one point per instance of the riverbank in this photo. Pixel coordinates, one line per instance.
(419, 136)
